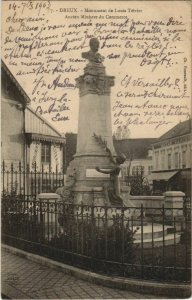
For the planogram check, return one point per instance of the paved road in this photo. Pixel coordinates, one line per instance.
(23, 278)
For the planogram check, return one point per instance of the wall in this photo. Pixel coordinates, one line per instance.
(148, 201)
(12, 131)
(35, 156)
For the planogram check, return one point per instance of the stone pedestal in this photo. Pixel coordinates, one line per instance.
(94, 118)
(174, 208)
(48, 214)
(48, 201)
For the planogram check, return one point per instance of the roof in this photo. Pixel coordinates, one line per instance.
(25, 98)
(35, 123)
(134, 148)
(180, 129)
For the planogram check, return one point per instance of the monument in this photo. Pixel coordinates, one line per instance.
(95, 164)
(93, 174)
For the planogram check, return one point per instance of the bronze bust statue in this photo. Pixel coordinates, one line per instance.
(92, 55)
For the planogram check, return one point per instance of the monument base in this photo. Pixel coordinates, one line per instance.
(90, 196)
(92, 187)
(89, 184)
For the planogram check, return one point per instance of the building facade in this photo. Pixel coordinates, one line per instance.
(172, 159)
(138, 167)
(26, 136)
(31, 148)
(13, 104)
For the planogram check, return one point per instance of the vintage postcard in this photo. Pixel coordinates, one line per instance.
(96, 148)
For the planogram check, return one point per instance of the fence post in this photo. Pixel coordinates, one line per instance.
(163, 249)
(142, 254)
(41, 225)
(35, 167)
(43, 189)
(27, 179)
(123, 241)
(105, 232)
(3, 178)
(12, 179)
(20, 179)
(92, 234)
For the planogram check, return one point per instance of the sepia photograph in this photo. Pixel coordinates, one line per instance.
(96, 149)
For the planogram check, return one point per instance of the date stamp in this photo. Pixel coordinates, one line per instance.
(38, 6)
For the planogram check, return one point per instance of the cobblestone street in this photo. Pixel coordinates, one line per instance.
(23, 278)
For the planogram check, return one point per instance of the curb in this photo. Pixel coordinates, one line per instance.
(134, 285)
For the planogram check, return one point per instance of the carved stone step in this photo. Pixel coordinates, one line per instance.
(157, 237)
(158, 242)
(147, 231)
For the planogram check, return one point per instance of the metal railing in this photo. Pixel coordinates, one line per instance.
(138, 242)
(19, 180)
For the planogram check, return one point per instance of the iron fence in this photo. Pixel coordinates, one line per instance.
(17, 179)
(138, 242)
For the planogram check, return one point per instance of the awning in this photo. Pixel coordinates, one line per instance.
(44, 138)
(162, 175)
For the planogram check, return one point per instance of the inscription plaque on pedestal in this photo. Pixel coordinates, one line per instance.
(95, 173)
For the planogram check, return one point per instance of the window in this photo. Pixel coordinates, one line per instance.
(176, 160)
(179, 160)
(169, 160)
(184, 159)
(156, 160)
(46, 153)
(134, 171)
(137, 170)
(163, 159)
(150, 168)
